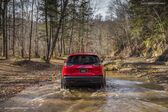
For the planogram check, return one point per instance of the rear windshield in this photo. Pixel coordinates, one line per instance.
(84, 60)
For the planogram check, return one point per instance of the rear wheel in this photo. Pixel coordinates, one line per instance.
(63, 85)
(103, 84)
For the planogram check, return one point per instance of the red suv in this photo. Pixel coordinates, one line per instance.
(82, 69)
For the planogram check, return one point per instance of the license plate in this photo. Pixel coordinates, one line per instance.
(83, 70)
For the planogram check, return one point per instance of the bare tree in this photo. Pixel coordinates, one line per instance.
(13, 28)
(31, 30)
(64, 4)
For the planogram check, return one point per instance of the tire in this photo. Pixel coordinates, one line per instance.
(103, 83)
(63, 85)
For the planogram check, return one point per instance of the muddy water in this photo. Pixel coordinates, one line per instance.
(122, 94)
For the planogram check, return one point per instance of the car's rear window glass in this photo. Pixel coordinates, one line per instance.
(83, 59)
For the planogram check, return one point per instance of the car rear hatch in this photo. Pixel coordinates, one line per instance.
(84, 70)
(83, 66)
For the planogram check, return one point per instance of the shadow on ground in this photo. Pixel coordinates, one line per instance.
(33, 65)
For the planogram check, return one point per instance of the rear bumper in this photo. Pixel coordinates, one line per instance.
(83, 80)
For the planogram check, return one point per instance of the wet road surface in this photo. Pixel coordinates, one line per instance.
(118, 96)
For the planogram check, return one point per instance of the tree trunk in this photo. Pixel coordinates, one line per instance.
(62, 40)
(62, 16)
(36, 38)
(31, 30)
(46, 26)
(22, 30)
(4, 28)
(6, 32)
(13, 47)
(71, 37)
(0, 16)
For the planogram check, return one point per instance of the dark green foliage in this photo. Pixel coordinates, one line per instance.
(139, 27)
(148, 25)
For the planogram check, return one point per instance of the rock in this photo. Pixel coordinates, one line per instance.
(166, 63)
(126, 69)
(141, 75)
(165, 85)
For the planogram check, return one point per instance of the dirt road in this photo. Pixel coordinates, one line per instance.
(118, 96)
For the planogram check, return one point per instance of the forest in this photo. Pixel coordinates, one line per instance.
(119, 47)
(55, 28)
